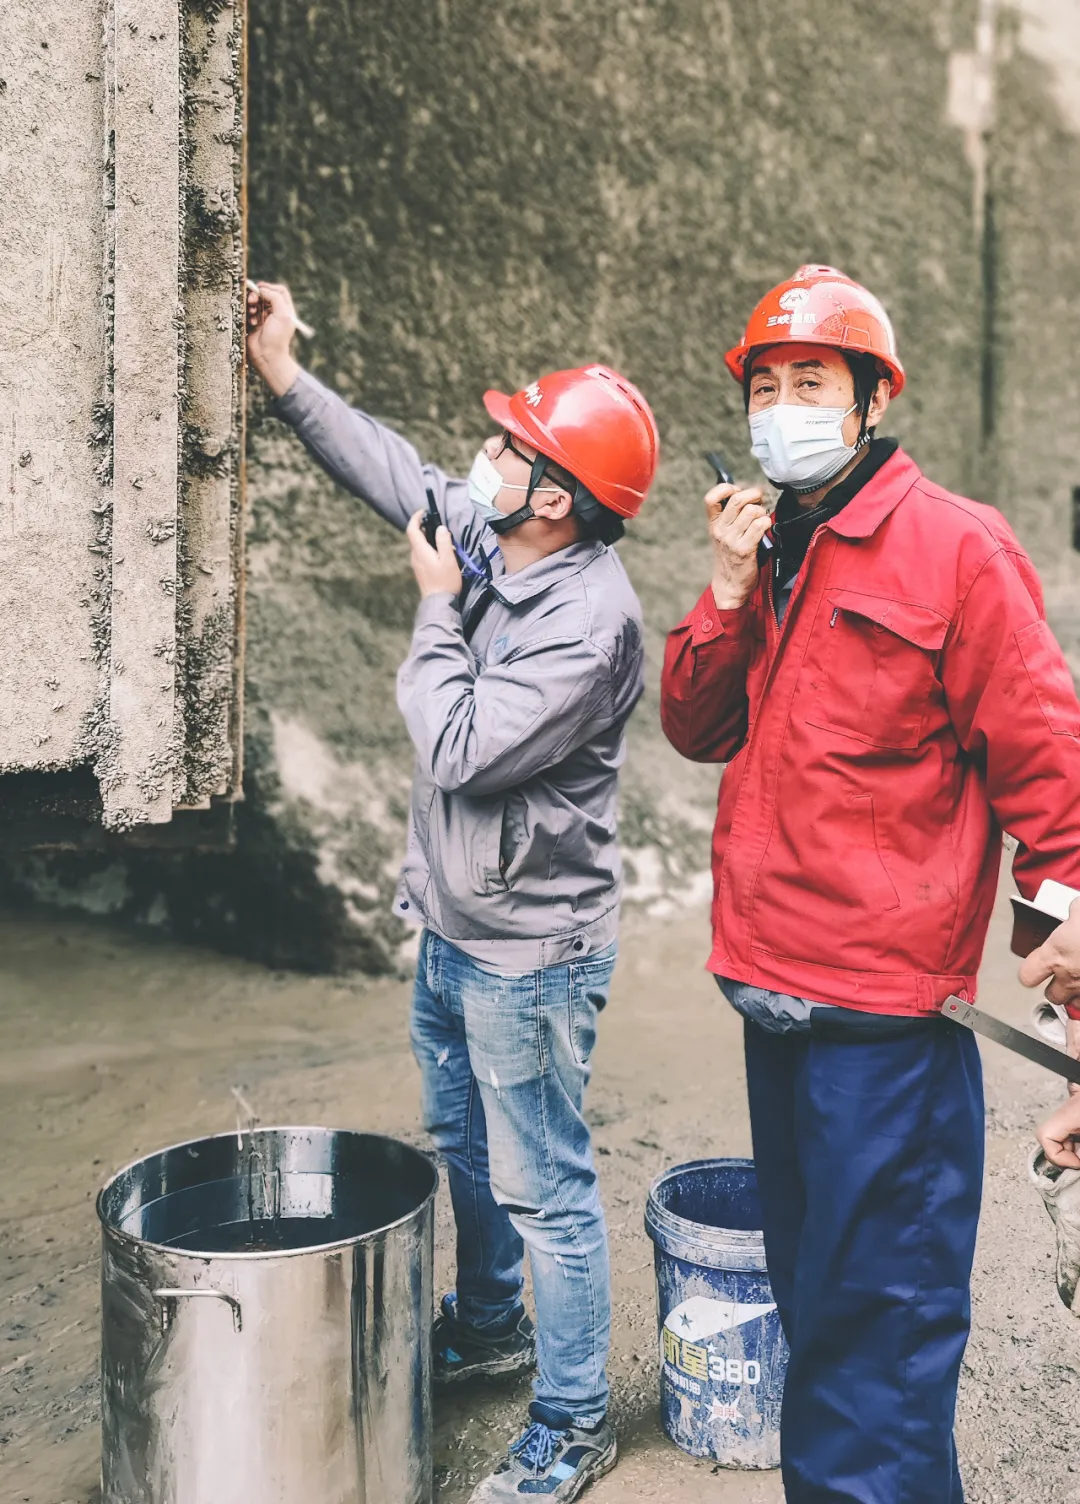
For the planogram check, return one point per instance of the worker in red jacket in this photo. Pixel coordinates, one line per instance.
(872, 663)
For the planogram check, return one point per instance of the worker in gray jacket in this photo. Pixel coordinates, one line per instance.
(526, 661)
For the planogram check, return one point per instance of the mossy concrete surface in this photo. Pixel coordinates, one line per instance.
(468, 194)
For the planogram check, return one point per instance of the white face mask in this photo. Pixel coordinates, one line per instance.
(801, 446)
(485, 483)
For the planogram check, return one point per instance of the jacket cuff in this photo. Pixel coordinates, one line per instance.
(707, 622)
(302, 399)
(441, 608)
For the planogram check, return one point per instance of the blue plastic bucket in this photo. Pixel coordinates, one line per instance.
(722, 1353)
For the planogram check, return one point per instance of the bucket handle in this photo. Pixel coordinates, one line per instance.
(168, 1310)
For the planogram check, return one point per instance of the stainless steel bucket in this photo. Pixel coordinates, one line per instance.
(266, 1310)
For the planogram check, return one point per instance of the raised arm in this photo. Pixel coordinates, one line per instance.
(370, 460)
(359, 453)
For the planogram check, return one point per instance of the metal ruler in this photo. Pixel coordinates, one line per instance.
(1013, 1039)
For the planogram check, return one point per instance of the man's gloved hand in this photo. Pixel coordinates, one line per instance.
(436, 569)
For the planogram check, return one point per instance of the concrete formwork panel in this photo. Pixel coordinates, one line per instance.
(210, 638)
(52, 377)
(121, 155)
(145, 74)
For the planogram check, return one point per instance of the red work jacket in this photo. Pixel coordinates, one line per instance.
(912, 705)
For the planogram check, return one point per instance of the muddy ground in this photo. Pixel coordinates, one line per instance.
(112, 1045)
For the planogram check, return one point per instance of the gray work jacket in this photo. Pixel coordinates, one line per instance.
(519, 732)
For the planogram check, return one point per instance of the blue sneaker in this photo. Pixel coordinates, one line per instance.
(461, 1352)
(552, 1459)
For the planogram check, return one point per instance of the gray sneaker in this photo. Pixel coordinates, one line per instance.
(552, 1459)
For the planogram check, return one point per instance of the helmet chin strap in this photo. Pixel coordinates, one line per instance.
(512, 520)
(524, 513)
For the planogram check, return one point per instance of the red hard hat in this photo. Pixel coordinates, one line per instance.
(594, 423)
(820, 306)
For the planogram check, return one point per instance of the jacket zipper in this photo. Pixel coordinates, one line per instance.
(773, 626)
(796, 590)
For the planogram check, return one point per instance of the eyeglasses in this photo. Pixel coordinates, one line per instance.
(508, 444)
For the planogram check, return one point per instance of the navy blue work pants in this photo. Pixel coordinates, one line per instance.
(869, 1160)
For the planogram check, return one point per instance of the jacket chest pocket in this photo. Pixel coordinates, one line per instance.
(874, 675)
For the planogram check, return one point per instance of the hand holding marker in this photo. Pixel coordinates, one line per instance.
(301, 328)
(431, 521)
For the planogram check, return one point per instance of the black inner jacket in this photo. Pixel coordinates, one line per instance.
(795, 525)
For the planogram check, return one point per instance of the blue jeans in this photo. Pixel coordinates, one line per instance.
(504, 1062)
(869, 1159)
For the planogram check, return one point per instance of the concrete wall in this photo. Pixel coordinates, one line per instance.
(465, 194)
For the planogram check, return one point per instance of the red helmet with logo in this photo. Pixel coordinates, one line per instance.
(594, 423)
(820, 306)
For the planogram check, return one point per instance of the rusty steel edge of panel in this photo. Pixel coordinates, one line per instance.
(136, 780)
(210, 532)
(236, 729)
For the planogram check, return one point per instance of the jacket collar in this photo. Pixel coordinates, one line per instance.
(536, 578)
(881, 495)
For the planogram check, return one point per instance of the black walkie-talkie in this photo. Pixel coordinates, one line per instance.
(432, 521)
(724, 476)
